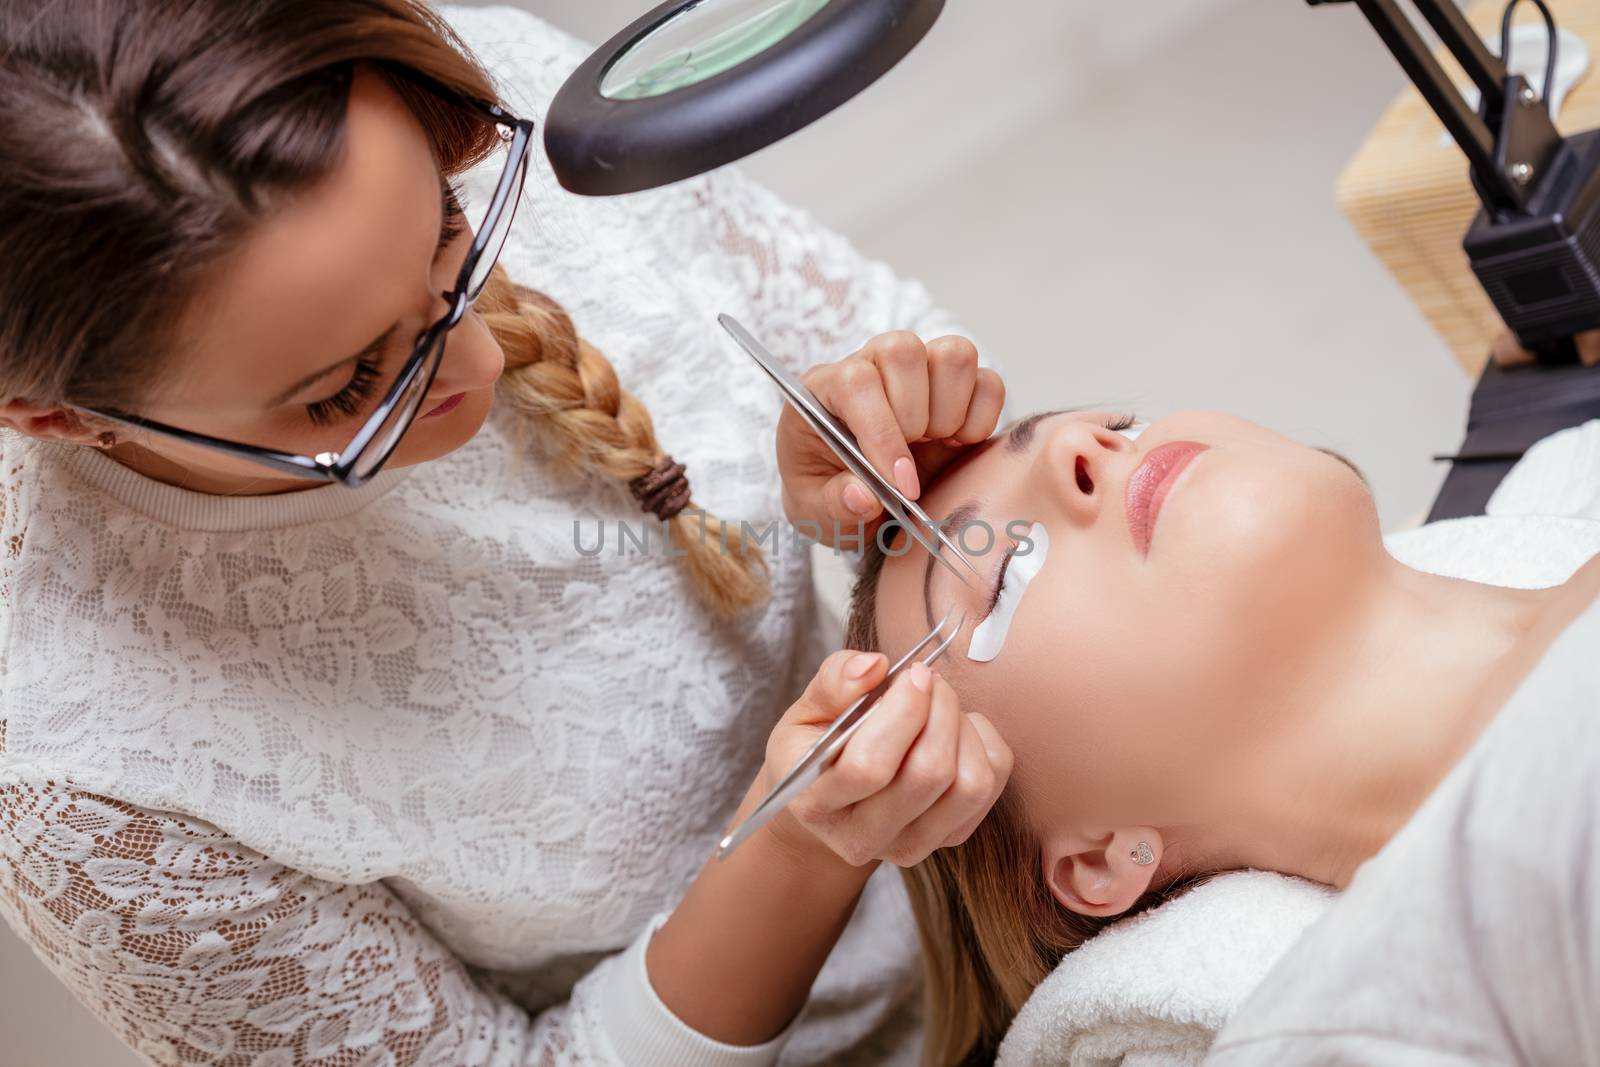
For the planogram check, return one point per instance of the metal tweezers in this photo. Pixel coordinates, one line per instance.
(913, 519)
(820, 756)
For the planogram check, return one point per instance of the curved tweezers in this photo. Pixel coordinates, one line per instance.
(915, 521)
(820, 756)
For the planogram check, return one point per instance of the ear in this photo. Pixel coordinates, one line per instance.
(1103, 873)
(49, 421)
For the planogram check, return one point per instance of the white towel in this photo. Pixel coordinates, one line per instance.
(1153, 991)
(1559, 475)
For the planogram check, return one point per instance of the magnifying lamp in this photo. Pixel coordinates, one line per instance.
(694, 84)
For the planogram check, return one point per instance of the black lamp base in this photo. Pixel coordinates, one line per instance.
(1542, 268)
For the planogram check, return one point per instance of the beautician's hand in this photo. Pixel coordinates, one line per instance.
(912, 407)
(918, 775)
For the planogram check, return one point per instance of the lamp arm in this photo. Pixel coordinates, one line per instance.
(1476, 137)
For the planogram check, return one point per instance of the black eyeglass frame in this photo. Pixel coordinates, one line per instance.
(341, 467)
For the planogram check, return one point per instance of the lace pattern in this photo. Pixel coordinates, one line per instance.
(387, 779)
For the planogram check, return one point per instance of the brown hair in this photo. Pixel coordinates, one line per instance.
(990, 928)
(142, 139)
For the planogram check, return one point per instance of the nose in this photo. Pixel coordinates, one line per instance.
(471, 359)
(1079, 461)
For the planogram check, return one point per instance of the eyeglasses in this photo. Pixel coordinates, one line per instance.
(375, 442)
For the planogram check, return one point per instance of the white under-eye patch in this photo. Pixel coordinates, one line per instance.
(990, 636)
(1132, 432)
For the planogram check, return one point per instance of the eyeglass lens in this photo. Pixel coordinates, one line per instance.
(399, 419)
(496, 239)
(400, 416)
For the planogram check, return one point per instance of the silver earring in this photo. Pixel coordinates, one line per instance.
(1144, 855)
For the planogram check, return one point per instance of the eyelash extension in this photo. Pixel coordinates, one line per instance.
(351, 399)
(999, 583)
(453, 213)
(1118, 423)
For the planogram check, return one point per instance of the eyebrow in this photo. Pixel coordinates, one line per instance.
(1021, 435)
(373, 347)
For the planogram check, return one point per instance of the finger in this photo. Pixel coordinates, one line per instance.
(956, 813)
(952, 374)
(848, 502)
(999, 757)
(995, 748)
(843, 678)
(855, 393)
(983, 411)
(983, 415)
(982, 794)
(926, 773)
(902, 361)
(874, 754)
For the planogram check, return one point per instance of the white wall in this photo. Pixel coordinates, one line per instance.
(1133, 203)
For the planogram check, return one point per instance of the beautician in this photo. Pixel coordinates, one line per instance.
(325, 737)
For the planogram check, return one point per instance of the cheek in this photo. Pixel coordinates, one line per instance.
(1263, 546)
(1074, 692)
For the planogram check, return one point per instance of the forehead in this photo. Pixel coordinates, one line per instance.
(329, 268)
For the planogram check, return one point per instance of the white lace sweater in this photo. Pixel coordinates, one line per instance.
(397, 775)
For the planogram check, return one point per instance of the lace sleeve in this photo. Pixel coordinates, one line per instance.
(818, 297)
(195, 949)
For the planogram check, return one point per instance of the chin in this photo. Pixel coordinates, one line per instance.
(1272, 531)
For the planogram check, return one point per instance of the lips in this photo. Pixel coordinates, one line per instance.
(448, 405)
(1149, 485)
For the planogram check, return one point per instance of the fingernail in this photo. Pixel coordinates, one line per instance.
(860, 665)
(905, 476)
(921, 676)
(857, 499)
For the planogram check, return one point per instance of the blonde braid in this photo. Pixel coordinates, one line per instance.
(570, 394)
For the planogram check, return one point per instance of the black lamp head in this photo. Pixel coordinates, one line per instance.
(695, 84)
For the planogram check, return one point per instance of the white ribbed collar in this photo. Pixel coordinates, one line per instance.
(191, 510)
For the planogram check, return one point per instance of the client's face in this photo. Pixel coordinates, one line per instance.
(1183, 572)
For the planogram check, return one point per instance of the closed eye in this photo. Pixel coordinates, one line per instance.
(999, 583)
(352, 399)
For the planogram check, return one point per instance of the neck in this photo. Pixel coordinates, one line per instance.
(1391, 700)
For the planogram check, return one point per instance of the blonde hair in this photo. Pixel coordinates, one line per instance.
(570, 395)
(990, 928)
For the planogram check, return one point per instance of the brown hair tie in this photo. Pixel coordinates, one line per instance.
(664, 490)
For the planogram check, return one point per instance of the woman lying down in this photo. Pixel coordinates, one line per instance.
(1204, 658)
